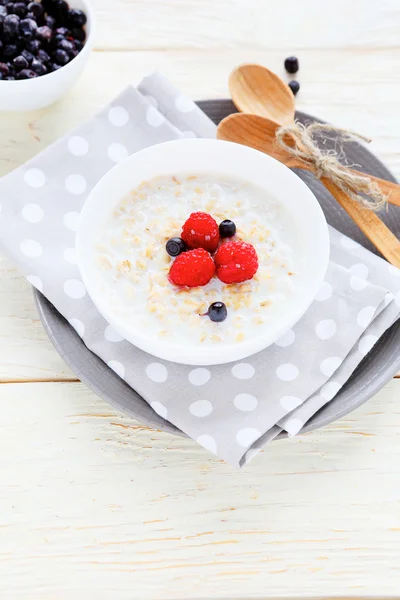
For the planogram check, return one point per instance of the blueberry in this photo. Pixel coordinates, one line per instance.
(20, 9)
(33, 46)
(60, 10)
(28, 28)
(60, 57)
(67, 46)
(44, 33)
(10, 7)
(227, 229)
(76, 18)
(175, 246)
(38, 67)
(78, 34)
(292, 64)
(1, 77)
(4, 70)
(55, 67)
(26, 74)
(10, 78)
(78, 45)
(294, 86)
(3, 13)
(10, 51)
(43, 56)
(1, 46)
(20, 62)
(50, 21)
(27, 55)
(11, 24)
(217, 312)
(36, 8)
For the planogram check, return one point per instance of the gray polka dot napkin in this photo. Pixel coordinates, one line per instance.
(232, 410)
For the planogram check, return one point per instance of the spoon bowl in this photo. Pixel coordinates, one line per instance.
(258, 91)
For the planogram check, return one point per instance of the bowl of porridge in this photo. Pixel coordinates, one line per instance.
(202, 252)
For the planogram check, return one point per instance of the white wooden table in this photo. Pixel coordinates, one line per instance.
(94, 505)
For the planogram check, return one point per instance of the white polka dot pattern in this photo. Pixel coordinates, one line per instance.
(35, 178)
(324, 292)
(287, 372)
(365, 316)
(117, 152)
(293, 426)
(74, 288)
(117, 367)
(329, 365)
(70, 256)
(184, 104)
(326, 329)
(348, 243)
(289, 403)
(118, 116)
(329, 390)
(157, 372)
(78, 326)
(112, 336)
(243, 371)
(76, 184)
(199, 376)
(247, 436)
(286, 340)
(31, 248)
(201, 408)
(245, 402)
(71, 220)
(78, 145)
(366, 343)
(36, 282)
(208, 442)
(154, 117)
(159, 408)
(33, 213)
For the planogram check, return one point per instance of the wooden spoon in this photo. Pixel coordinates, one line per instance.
(258, 91)
(250, 130)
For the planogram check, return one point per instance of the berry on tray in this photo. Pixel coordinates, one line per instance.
(38, 37)
(201, 231)
(236, 262)
(175, 246)
(294, 86)
(292, 64)
(227, 229)
(192, 269)
(217, 312)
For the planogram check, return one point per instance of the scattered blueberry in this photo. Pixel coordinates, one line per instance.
(227, 229)
(10, 78)
(4, 69)
(292, 64)
(60, 57)
(175, 246)
(43, 56)
(11, 25)
(62, 31)
(78, 34)
(55, 67)
(76, 18)
(10, 51)
(294, 86)
(78, 45)
(10, 7)
(217, 312)
(20, 62)
(50, 21)
(3, 13)
(26, 74)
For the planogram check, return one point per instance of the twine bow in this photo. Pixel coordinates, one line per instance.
(326, 164)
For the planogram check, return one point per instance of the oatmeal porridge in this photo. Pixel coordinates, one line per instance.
(133, 266)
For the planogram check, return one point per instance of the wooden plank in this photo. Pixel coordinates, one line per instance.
(228, 24)
(91, 502)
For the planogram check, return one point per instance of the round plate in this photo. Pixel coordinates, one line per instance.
(376, 369)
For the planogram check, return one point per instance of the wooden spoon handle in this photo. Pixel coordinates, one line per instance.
(388, 187)
(369, 223)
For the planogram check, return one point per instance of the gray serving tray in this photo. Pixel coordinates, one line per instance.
(377, 368)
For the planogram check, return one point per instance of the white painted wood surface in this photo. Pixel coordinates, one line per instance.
(93, 505)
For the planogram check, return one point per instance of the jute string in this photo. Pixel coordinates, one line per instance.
(326, 164)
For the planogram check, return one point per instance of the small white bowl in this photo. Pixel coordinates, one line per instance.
(32, 94)
(221, 158)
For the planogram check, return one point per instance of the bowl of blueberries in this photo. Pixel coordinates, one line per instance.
(44, 47)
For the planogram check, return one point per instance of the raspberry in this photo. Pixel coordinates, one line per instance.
(192, 268)
(236, 262)
(201, 231)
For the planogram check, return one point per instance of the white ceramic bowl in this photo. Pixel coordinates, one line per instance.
(32, 94)
(221, 158)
